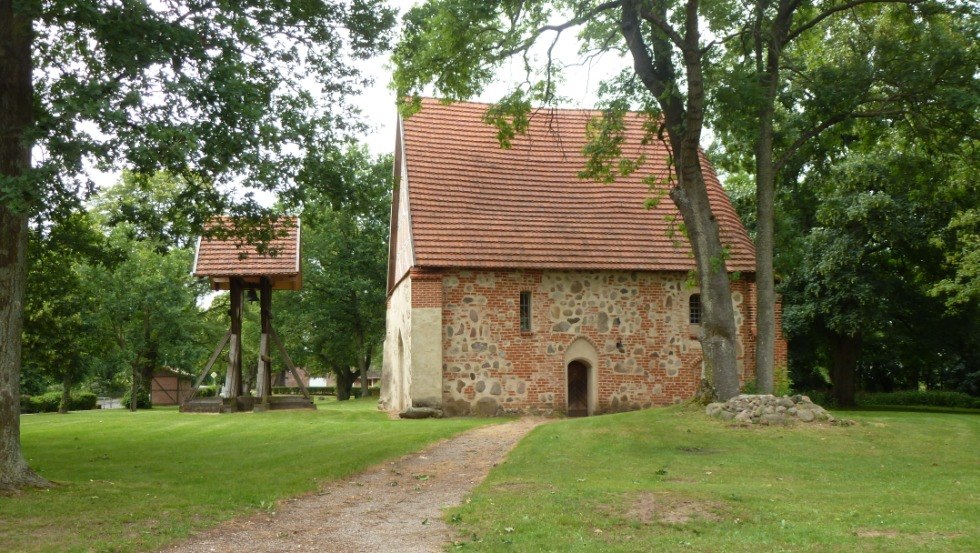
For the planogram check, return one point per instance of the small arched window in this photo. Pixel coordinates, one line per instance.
(694, 305)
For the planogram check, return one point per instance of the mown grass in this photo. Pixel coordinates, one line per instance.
(138, 481)
(674, 480)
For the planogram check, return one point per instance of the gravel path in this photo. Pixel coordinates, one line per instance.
(396, 506)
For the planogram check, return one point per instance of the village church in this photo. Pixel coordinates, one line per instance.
(515, 286)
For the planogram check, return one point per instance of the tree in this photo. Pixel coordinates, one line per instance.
(147, 309)
(860, 290)
(338, 318)
(60, 341)
(887, 59)
(209, 91)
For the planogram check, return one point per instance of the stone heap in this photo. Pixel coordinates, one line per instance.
(769, 409)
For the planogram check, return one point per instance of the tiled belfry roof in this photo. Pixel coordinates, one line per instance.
(473, 204)
(222, 258)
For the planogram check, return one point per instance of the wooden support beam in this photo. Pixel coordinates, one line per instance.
(264, 385)
(210, 363)
(233, 379)
(289, 362)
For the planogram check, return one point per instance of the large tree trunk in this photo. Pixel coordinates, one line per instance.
(765, 289)
(65, 395)
(768, 49)
(14, 472)
(718, 331)
(844, 352)
(16, 115)
(345, 382)
(684, 122)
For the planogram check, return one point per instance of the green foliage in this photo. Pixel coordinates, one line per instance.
(336, 322)
(211, 92)
(60, 341)
(142, 399)
(373, 391)
(49, 402)
(935, 398)
(207, 391)
(783, 382)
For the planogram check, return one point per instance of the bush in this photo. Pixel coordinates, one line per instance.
(27, 405)
(83, 401)
(970, 384)
(821, 397)
(207, 391)
(49, 402)
(373, 391)
(142, 401)
(935, 398)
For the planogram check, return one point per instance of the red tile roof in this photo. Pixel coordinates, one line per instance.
(221, 258)
(474, 204)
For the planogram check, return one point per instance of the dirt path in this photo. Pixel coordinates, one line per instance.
(396, 506)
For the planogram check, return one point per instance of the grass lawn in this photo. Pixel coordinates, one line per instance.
(138, 481)
(674, 480)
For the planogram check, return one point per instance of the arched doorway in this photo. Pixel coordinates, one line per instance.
(577, 375)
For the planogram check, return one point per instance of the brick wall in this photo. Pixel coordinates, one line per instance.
(648, 353)
(426, 288)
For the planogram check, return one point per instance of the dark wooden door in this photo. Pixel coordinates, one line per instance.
(578, 389)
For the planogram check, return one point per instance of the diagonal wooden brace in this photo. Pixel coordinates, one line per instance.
(289, 362)
(210, 363)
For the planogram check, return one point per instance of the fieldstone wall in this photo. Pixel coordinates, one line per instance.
(648, 353)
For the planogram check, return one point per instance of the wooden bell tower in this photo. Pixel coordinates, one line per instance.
(231, 265)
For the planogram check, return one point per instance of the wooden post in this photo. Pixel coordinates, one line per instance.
(264, 386)
(233, 380)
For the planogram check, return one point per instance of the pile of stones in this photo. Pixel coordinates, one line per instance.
(769, 409)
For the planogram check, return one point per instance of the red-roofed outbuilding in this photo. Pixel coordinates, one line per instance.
(516, 286)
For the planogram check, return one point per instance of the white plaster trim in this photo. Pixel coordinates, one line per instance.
(197, 252)
(404, 180)
(299, 242)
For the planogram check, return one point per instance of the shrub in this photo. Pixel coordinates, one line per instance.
(935, 398)
(142, 401)
(373, 391)
(83, 401)
(207, 391)
(970, 384)
(820, 397)
(28, 405)
(49, 402)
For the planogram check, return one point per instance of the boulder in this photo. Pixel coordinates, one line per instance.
(421, 413)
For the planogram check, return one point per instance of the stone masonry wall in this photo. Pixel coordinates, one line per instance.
(637, 322)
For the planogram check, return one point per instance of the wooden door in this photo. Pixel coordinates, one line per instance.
(578, 389)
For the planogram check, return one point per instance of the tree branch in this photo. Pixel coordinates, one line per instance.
(578, 20)
(843, 7)
(815, 131)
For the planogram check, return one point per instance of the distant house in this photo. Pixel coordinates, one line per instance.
(170, 386)
(514, 286)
